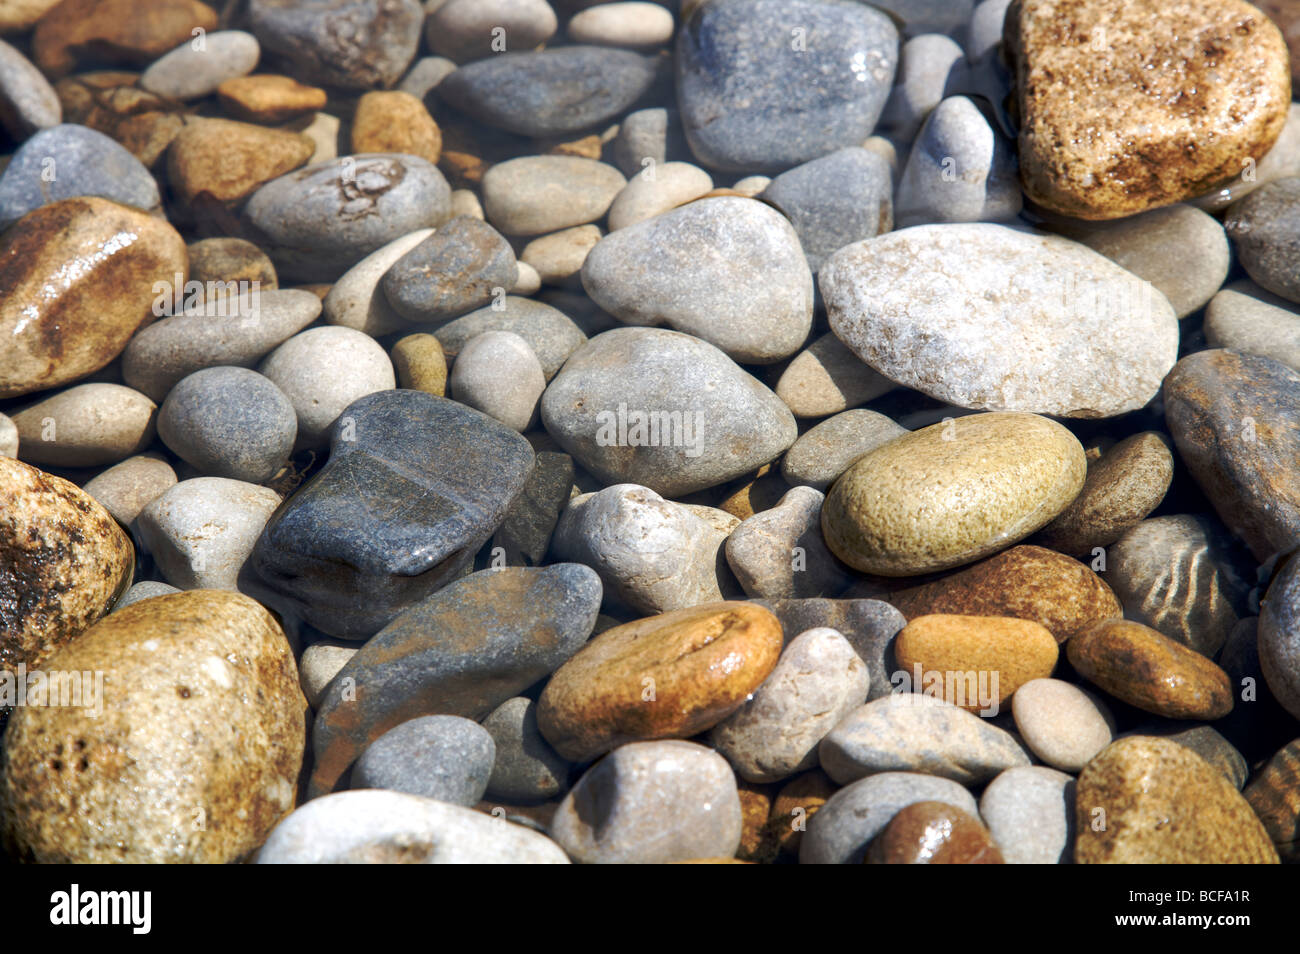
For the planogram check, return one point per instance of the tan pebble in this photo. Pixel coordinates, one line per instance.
(420, 364)
(557, 258)
(795, 805)
(465, 202)
(393, 121)
(88, 425)
(228, 160)
(1062, 724)
(127, 488)
(268, 98)
(1274, 794)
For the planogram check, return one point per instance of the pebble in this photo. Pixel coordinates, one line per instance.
(463, 30)
(125, 32)
(1259, 728)
(957, 657)
(842, 829)
(1236, 421)
(652, 803)
(893, 512)
(425, 74)
(656, 189)
(1279, 637)
(753, 99)
(906, 732)
(1274, 794)
(229, 422)
(201, 531)
(984, 33)
(834, 201)
(932, 833)
(557, 259)
(1183, 576)
(27, 100)
(414, 485)
(550, 92)
(17, 16)
(269, 98)
(549, 332)
(1263, 227)
(1163, 804)
(124, 489)
(649, 136)
(936, 308)
(780, 554)
(930, 66)
(323, 370)
(929, 16)
(353, 44)
(111, 103)
(625, 382)
(420, 365)
(534, 195)
(1138, 665)
(66, 563)
(1063, 725)
(818, 681)
(393, 121)
(231, 260)
(631, 24)
(357, 299)
(824, 452)
(87, 425)
(443, 757)
(961, 169)
(237, 334)
(203, 680)
(226, 161)
(1122, 488)
(525, 535)
(1030, 812)
(320, 663)
(827, 378)
(1114, 140)
(1206, 742)
(1280, 162)
(193, 71)
(146, 590)
(462, 651)
(378, 827)
(318, 222)
(8, 437)
(66, 161)
(1244, 317)
(667, 270)
(668, 676)
(498, 373)
(461, 267)
(652, 555)
(526, 767)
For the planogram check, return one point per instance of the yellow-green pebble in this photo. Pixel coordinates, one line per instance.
(420, 364)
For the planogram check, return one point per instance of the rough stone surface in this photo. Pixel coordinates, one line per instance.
(526, 767)
(824, 452)
(86, 425)
(445, 757)
(459, 268)
(780, 554)
(125, 488)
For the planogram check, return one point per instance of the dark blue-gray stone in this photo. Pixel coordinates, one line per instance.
(415, 484)
(318, 222)
(834, 201)
(527, 769)
(764, 85)
(551, 334)
(551, 92)
(455, 270)
(525, 535)
(229, 422)
(442, 756)
(69, 160)
(462, 651)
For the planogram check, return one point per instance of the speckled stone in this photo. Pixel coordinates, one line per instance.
(526, 767)
(1136, 143)
(1265, 230)
(824, 452)
(550, 92)
(1060, 723)
(817, 682)
(1205, 741)
(525, 535)
(463, 29)
(462, 651)
(355, 44)
(27, 100)
(191, 71)
(415, 484)
(320, 663)
(1162, 804)
(908, 732)
(318, 222)
(459, 268)
(63, 563)
(650, 803)
(656, 678)
(1184, 576)
(125, 488)
(892, 512)
(71, 160)
(1236, 421)
(827, 378)
(1274, 794)
(1030, 813)
(932, 833)
(753, 99)
(234, 331)
(1279, 637)
(8, 437)
(952, 309)
(842, 829)
(444, 757)
(729, 423)
(534, 195)
(376, 827)
(87, 425)
(779, 553)
(48, 341)
(1245, 317)
(551, 334)
(1025, 582)
(191, 756)
(393, 121)
(1280, 162)
(1139, 666)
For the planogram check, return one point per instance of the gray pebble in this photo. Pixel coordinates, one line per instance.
(649, 136)
(534, 195)
(188, 72)
(526, 767)
(1030, 813)
(824, 452)
(439, 756)
(1265, 230)
(779, 553)
(321, 662)
(465, 29)
(27, 100)
(498, 373)
(656, 189)
(357, 299)
(145, 590)
(457, 269)
(826, 378)
(931, 66)
(425, 74)
(1245, 317)
(548, 331)
(124, 489)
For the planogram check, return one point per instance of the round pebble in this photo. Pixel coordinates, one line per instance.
(443, 757)
(1062, 724)
(498, 373)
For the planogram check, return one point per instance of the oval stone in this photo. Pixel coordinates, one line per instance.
(932, 833)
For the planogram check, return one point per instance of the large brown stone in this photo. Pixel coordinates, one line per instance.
(130, 32)
(932, 833)
(228, 160)
(1274, 793)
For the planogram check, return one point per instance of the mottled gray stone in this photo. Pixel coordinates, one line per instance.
(1030, 813)
(653, 134)
(824, 452)
(525, 535)
(441, 756)
(425, 74)
(1245, 317)
(1265, 229)
(27, 100)
(779, 553)
(549, 332)
(188, 72)
(457, 269)
(526, 767)
(463, 29)
(498, 373)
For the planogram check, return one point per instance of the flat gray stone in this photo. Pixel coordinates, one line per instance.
(526, 767)
(551, 334)
(457, 269)
(190, 72)
(824, 452)
(1245, 317)
(535, 195)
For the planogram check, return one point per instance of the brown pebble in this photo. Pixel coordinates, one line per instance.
(795, 805)
(268, 98)
(231, 260)
(110, 102)
(756, 841)
(933, 833)
(760, 491)
(228, 160)
(1274, 794)
(128, 32)
(393, 121)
